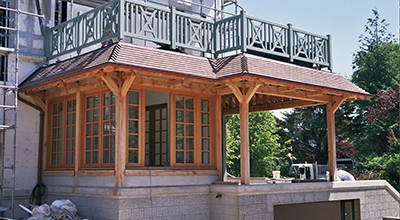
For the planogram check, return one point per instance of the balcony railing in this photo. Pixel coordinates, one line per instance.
(168, 27)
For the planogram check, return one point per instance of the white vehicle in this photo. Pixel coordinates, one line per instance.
(308, 171)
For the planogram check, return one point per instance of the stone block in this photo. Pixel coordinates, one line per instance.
(137, 213)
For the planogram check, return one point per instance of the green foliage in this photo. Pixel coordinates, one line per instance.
(264, 146)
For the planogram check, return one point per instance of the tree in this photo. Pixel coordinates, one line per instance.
(264, 146)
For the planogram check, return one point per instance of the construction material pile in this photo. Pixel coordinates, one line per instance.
(58, 210)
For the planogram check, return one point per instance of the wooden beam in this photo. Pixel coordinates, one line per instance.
(273, 106)
(39, 102)
(302, 95)
(111, 84)
(236, 91)
(335, 104)
(330, 114)
(127, 84)
(249, 94)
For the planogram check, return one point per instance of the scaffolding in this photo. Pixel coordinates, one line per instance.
(9, 103)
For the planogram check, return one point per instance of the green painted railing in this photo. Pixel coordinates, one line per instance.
(171, 28)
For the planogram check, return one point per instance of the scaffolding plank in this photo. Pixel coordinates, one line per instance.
(5, 51)
(4, 208)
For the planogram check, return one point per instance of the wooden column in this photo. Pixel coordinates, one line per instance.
(121, 140)
(331, 108)
(121, 121)
(244, 100)
(218, 136)
(80, 131)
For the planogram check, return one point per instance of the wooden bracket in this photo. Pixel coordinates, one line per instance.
(240, 96)
(39, 102)
(127, 84)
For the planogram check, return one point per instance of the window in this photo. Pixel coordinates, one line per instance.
(184, 130)
(63, 127)
(205, 131)
(60, 12)
(133, 130)
(100, 140)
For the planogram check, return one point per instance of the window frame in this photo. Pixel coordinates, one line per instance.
(64, 127)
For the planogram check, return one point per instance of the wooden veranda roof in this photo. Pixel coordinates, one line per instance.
(280, 84)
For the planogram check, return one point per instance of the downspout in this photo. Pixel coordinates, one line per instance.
(41, 122)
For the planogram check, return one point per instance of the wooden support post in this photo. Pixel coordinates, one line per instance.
(46, 133)
(80, 112)
(244, 100)
(218, 136)
(121, 140)
(244, 144)
(331, 108)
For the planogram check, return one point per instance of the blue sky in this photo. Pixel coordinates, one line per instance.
(343, 19)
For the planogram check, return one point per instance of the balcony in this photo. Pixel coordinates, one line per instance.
(174, 29)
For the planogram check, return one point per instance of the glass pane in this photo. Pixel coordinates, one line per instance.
(69, 132)
(133, 97)
(54, 135)
(164, 147)
(54, 146)
(189, 116)
(59, 158)
(158, 123)
(179, 116)
(157, 114)
(112, 127)
(95, 128)
(69, 119)
(189, 130)
(205, 157)
(106, 98)
(157, 160)
(95, 115)
(106, 113)
(53, 159)
(189, 157)
(59, 145)
(189, 103)
(106, 142)
(112, 142)
(179, 129)
(164, 124)
(179, 143)
(164, 136)
(133, 126)
(189, 143)
(74, 105)
(179, 102)
(60, 120)
(106, 156)
(205, 105)
(157, 148)
(179, 157)
(113, 112)
(69, 106)
(164, 113)
(69, 145)
(54, 109)
(88, 157)
(204, 131)
(205, 144)
(157, 137)
(132, 156)
(60, 108)
(89, 102)
(88, 129)
(54, 121)
(88, 143)
(106, 127)
(133, 141)
(147, 115)
(73, 118)
(204, 118)
(133, 112)
(95, 143)
(113, 99)
(95, 157)
(147, 137)
(112, 156)
(68, 158)
(73, 158)
(59, 133)
(89, 116)
(73, 131)
(96, 101)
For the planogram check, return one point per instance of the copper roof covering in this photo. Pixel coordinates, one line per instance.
(187, 65)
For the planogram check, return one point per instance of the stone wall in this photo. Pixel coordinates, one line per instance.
(373, 200)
